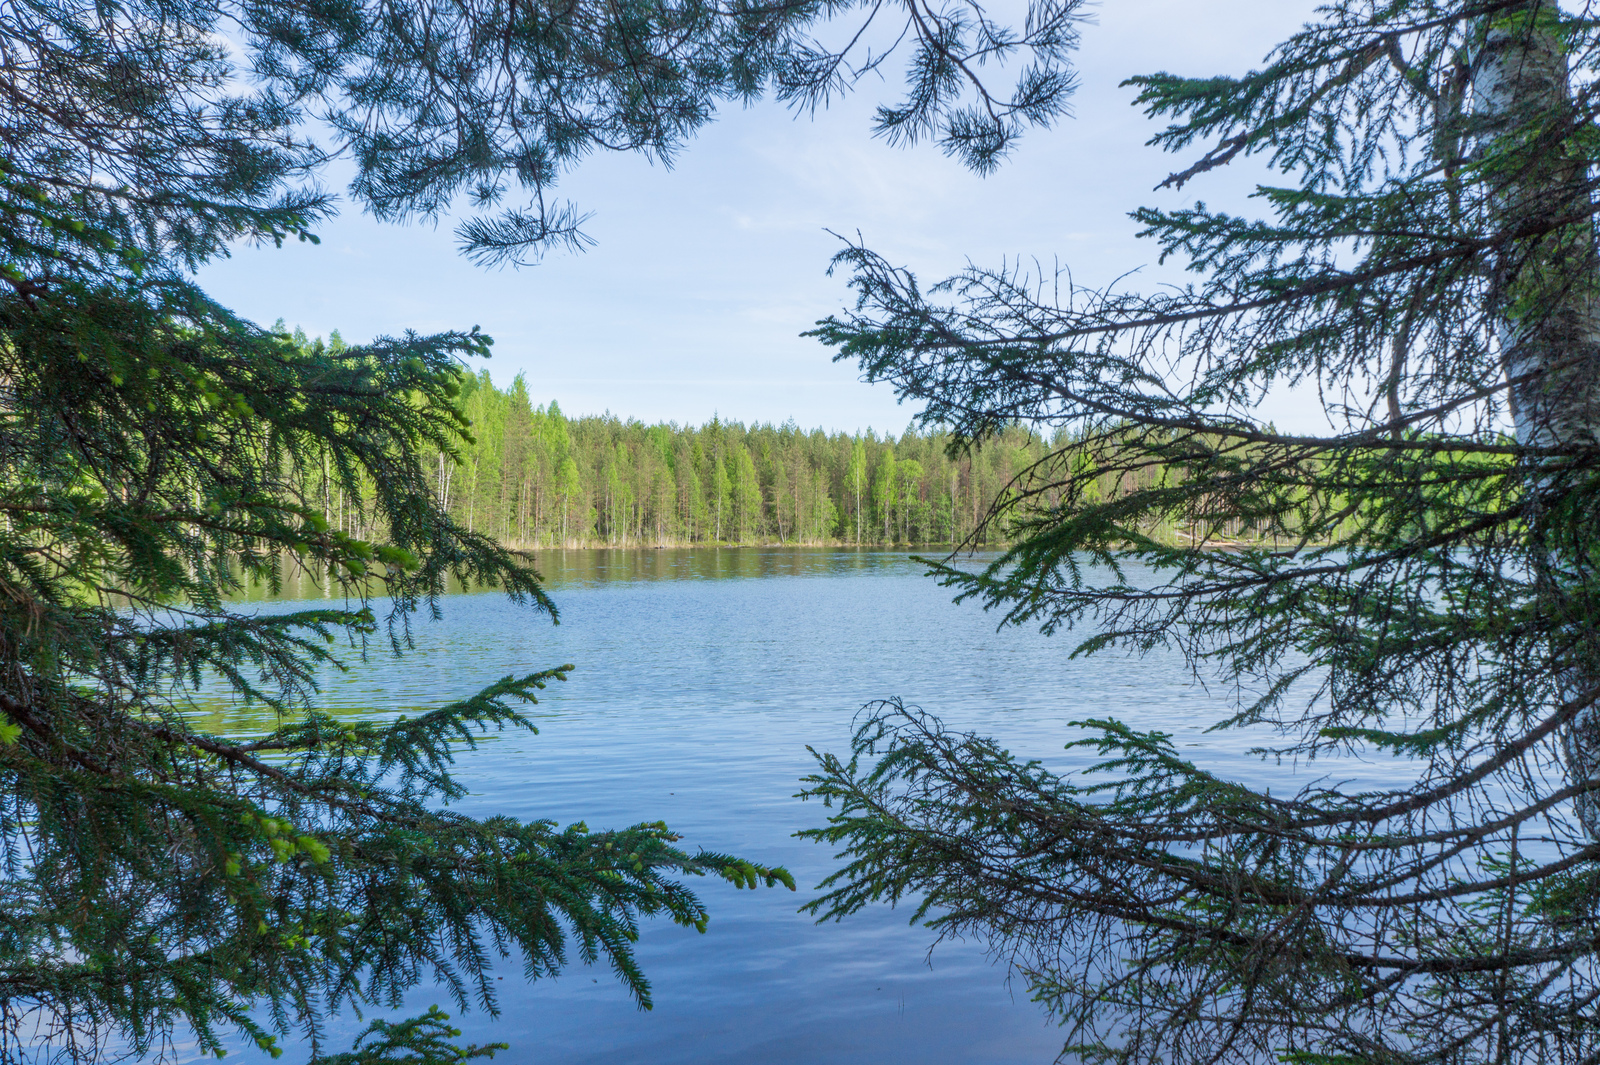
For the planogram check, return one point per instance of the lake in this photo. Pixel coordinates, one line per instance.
(702, 675)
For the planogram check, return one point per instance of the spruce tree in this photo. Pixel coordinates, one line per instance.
(160, 454)
(1418, 586)
(157, 453)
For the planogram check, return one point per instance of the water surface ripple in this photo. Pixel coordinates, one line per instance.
(702, 677)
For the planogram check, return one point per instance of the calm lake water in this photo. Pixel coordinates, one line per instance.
(702, 677)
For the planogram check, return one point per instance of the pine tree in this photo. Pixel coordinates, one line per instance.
(1419, 587)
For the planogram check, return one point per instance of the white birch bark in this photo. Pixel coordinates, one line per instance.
(1546, 300)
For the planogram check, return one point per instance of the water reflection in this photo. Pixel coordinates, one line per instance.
(703, 675)
(590, 567)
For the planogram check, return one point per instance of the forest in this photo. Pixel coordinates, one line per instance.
(534, 477)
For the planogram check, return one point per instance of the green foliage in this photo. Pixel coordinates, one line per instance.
(1418, 586)
(157, 454)
(534, 477)
(428, 112)
(158, 875)
(412, 1042)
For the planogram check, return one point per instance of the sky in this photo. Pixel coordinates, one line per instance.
(703, 276)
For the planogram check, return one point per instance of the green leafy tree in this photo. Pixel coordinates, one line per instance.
(569, 488)
(691, 490)
(824, 513)
(482, 453)
(856, 477)
(908, 480)
(721, 491)
(779, 480)
(745, 494)
(158, 454)
(886, 492)
(1418, 587)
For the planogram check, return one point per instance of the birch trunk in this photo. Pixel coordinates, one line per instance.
(1545, 294)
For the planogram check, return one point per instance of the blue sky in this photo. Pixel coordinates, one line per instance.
(704, 275)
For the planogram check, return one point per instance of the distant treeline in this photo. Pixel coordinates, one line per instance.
(534, 477)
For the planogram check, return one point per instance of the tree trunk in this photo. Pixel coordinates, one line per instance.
(1545, 293)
